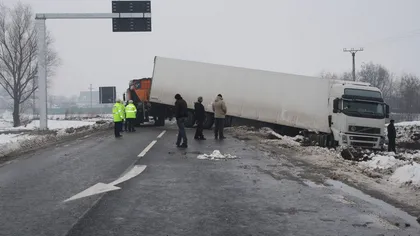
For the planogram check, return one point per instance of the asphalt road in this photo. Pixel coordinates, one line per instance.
(178, 194)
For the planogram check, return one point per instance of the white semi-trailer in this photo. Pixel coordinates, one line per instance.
(340, 112)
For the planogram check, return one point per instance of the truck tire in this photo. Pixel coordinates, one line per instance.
(209, 121)
(228, 121)
(160, 121)
(331, 143)
(190, 120)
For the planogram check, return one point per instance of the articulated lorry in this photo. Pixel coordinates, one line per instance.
(334, 112)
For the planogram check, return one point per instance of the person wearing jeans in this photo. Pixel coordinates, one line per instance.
(220, 110)
(181, 114)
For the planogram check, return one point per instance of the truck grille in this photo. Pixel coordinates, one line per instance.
(366, 130)
(359, 144)
(356, 138)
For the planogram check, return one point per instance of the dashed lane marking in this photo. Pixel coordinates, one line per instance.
(143, 153)
(161, 134)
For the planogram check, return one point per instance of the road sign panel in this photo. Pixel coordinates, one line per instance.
(107, 95)
(131, 7)
(131, 24)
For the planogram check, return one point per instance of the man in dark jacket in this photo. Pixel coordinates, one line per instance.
(392, 134)
(200, 114)
(181, 114)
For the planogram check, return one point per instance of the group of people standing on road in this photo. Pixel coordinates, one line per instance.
(124, 116)
(181, 114)
(127, 115)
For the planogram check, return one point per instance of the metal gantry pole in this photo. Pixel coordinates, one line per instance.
(42, 72)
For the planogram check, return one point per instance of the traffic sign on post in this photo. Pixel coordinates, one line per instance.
(131, 7)
(132, 24)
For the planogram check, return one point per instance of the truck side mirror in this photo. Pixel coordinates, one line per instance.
(335, 105)
(386, 111)
(124, 96)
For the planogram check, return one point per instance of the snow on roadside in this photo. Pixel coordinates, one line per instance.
(408, 174)
(280, 139)
(407, 132)
(6, 138)
(52, 124)
(382, 162)
(393, 175)
(408, 123)
(30, 137)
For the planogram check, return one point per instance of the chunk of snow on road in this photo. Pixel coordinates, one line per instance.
(216, 155)
(280, 139)
(407, 174)
(382, 162)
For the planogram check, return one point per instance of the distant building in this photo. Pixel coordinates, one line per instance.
(84, 99)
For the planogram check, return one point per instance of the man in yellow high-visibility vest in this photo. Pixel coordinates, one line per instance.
(118, 115)
(130, 113)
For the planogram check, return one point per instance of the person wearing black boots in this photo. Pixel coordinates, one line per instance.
(199, 114)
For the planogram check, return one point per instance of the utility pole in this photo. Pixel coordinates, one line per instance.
(90, 88)
(353, 53)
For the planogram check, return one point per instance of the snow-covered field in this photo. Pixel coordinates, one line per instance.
(396, 176)
(408, 132)
(28, 135)
(52, 125)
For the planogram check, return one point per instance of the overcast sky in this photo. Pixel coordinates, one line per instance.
(292, 36)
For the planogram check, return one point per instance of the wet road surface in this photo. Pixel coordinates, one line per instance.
(178, 194)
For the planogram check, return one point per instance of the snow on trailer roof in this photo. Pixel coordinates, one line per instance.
(344, 82)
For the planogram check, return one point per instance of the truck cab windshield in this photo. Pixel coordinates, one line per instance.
(363, 109)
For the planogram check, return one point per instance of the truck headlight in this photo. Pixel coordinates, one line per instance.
(344, 138)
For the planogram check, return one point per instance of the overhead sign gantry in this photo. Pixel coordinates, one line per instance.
(127, 16)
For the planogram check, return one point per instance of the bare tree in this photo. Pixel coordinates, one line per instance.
(347, 76)
(18, 55)
(378, 76)
(329, 75)
(334, 76)
(409, 93)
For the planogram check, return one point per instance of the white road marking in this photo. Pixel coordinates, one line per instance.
(95, 189)
(136, 170)
(103, 188)
(161, 134)
(143, 153)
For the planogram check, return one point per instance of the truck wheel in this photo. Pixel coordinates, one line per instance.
(190, 120)
(228, 121)
(209, 121)
(160, 121)
(331, 143)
